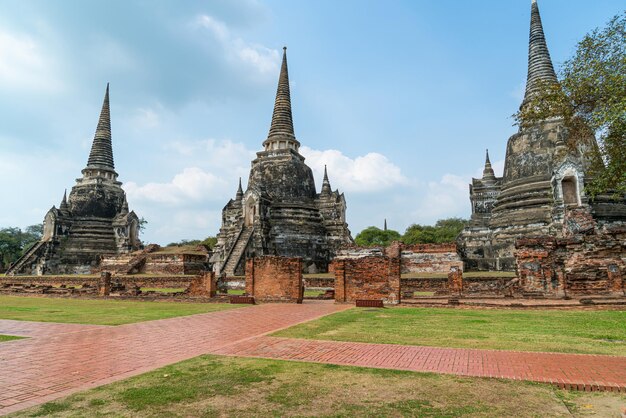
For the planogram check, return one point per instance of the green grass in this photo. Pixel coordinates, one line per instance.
(588, 332)
(98, 312)
(211, 386)
(466, 274)
(9, 338)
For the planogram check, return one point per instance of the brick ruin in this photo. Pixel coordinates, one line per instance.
(275, 279)
(545, 174)
(368, 278)
(93, 221)
(281, 212)
(156, 260)
(590, 259)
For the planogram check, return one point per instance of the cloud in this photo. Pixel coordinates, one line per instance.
(263, 59)
(23, 64)
(368, 173)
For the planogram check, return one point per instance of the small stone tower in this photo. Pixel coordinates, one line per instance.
(93, 221)
(281, 212)
(544, 176)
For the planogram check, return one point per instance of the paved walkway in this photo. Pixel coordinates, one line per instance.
(568, 371)
(63, 359)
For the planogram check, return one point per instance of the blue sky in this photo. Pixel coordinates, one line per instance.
(398, 98)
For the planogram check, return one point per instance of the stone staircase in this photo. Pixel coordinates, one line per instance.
(136, 262)
(234, 257)
(23, 260)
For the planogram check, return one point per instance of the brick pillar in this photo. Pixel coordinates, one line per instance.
(104, 284)
(339, 267)
(250, 276)
(395, 272)
(300, 282)
(455, 280)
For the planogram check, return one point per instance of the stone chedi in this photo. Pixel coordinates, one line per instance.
(544, 176)
(93, 221)
(281, 212)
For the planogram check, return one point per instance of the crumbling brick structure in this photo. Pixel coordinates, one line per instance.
(587, 260)
(203, 285)
(275, 279)
(369, 278)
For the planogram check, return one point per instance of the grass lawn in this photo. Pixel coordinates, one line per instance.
(98, 312)
(589, 332)
(210, 386)
(9, 338)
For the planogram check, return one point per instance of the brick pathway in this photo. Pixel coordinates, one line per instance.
(63, 359)
(46, 367)
(568, 371)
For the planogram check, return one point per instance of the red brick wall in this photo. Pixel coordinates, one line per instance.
(367, 278)
(274, 279)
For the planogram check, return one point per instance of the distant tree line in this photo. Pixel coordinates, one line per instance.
(445, 230)
(14, 242)
(208, 242)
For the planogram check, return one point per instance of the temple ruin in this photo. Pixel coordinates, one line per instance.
(281, 213)
(544, 177)
(93, 221)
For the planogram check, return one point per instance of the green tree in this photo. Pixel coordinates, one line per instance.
(591, 95)
(14, 242)
(445, 230)
(376, 236)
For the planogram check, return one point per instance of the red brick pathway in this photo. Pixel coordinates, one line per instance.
(40, 369)
(569, 371)
(41, 329)
(46, 367)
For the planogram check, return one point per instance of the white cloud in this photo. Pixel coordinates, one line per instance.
(263, 59)
(368, 173)
(192, 185)
(23, 64)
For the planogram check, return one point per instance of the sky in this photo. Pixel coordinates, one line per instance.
(398, 98)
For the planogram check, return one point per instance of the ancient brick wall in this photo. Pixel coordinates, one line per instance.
(587, 261)
(373, 277)
(203, 285)
(274, 279)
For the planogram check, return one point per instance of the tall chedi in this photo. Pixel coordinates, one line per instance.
(544, 173)
(92, 222)
(280, 213)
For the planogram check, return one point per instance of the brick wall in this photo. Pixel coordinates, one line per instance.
(372, 277)
(274, 279)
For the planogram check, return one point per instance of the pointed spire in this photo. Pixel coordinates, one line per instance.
(101, 155)
(385, 227)
(64, 205)
(488, 173)
(326, 189)
(282, 123)
(239, 195)
(540, 68)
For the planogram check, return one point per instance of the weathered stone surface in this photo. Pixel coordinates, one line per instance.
(94, 221)
(545, 173)
(281, 212)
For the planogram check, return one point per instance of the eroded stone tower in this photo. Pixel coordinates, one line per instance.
(93, 221)
(544, 177)
(281, 212)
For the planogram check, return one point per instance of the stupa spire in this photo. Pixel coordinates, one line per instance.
(64, 205)
(326, 189)
(239, 195)
(540, 68)
(488, 173)
(281, 134)
(101, 155)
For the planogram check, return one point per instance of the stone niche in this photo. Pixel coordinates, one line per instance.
(275, 279)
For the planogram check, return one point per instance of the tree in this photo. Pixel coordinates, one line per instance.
(14, 242)
(445, 230)
(591, 95)
(376, 236)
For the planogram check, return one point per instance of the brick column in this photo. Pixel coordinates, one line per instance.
(455, 280)
(250, 276)
(104, 284)
(616, 280)
(339, 267)
(395, 272)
